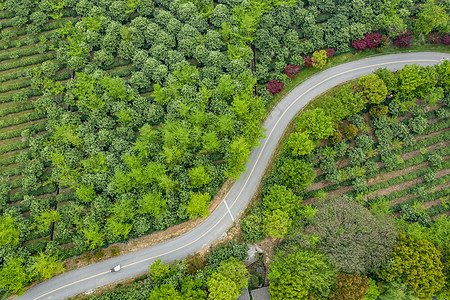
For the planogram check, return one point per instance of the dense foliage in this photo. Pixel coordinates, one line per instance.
(346, 233)
(144, 108)
(354, 241)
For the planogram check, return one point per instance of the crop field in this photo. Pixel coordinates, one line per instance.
(414, 179)
(20, 53)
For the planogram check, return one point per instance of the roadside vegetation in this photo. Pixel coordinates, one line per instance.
(367, 200)
(122, 118)
(377, 216)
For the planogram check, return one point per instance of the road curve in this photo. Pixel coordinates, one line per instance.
(135, 263)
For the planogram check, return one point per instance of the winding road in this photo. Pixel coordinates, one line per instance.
(136, 263)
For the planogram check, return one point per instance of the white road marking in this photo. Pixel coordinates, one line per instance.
(228, 209)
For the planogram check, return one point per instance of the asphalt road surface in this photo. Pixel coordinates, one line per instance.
(212, 228)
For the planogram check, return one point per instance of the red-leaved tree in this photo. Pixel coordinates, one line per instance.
(274, 86)
(291, 70)
(370, 41)
(403, 40)
(446, 39)
(308, 61)
(330, 52)
(439, 38)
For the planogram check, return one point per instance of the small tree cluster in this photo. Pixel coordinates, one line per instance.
(378, 111)
(274, 86)
(418, 264)
(350, 287)
(291, 70)
(308, 61)
(370, 41)
(330, 52)
(403, 40)
(319, 59)
(350, 131)
(439, 38)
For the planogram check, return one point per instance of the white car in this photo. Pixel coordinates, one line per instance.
(116, 268)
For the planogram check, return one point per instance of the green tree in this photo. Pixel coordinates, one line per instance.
(199, 176)
(117, 227)
(373, 88)
(389, 78)
(160, 271)
(13, 275)
(46, 265)
(165, 292)
(334, 108)
(418, 264)
(317, 275)
(300, 143)
(221, 287)
(289, 287)
(152, 203)
(316, 123)
(239, 150)
(198, 205)
(297, 174)
(192, 289)
(443, 71)
(319, 59)
(276, 223)
(416, 81)
(431, 17)
(395, 290)
(93, 236)
(280, 197)
(45, 219)
(210, 142)
(236, 271)
(395, 25)
(9, 232)
(354, 240)
(350, 287)
(85, 193)
(352, 99)
(373, 292)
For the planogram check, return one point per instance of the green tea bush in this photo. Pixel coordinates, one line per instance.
(400, 130)
(384, 148)
(371, 166)
(418, 111)
(334, 177)
(394, 108)
(364, 142)
(379, 122)
(418, 124)
(341, 149)
(32, 60)
(443, 112)
(391, 161)
(434, 159)
(428, 176)
(357, 156)
(328, 166)
(357, 120)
